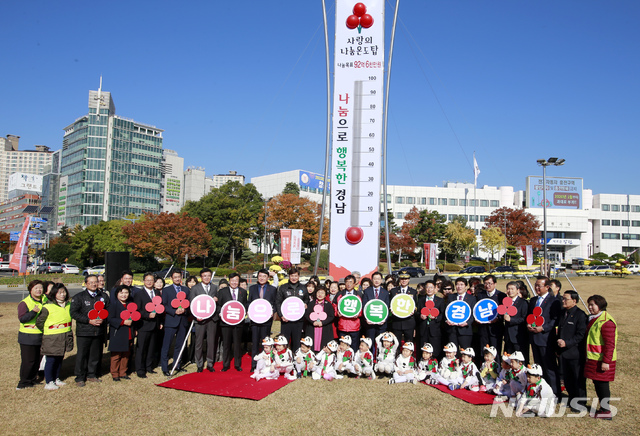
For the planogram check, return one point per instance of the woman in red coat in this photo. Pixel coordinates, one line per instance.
(602, 338)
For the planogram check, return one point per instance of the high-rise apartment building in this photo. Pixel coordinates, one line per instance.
(13, 160)
(197, 184)
(110, 165)
(172, 181)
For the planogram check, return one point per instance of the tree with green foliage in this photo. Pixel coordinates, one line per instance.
(429, 227)
(60, 252)
(291, 188)
(458, 238)
(492, 240)
(92, 241)
(231, 214)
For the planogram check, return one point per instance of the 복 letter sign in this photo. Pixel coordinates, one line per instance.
(232, 312)
(376, 312)
(403, 305)
(260, 311)
(292, 308)
(458, 312)
(203, 306)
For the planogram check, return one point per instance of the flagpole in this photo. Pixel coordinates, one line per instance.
(476, 171)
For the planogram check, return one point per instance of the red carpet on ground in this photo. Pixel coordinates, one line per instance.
(477, 398)
(232, 383)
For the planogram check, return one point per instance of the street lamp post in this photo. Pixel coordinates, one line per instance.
(544, 164)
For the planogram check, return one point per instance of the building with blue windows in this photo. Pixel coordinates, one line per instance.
(110, 166)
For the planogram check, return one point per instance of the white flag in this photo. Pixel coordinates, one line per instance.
(476, 171)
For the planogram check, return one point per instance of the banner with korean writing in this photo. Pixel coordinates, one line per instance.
(527, 253)
(19, 259)
(285, 244)
(562, 192)
(430, 251)
(296, 245)
(356, 137)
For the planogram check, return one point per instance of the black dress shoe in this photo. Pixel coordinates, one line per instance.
(200, 369)
(126, 377)
(151, 371)
(225, 369)
(210, 369)
(166, 373)
(142, 376)
(238, 368)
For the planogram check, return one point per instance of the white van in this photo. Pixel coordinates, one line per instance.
(633, 268)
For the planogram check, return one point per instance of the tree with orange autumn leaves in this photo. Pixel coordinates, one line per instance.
(289, 211)
(168, 236)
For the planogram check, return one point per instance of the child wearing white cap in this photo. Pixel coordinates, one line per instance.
(284, 358)
(470, 374)
(489, 370)
(363, 360)
(326, 359)
(449, 369)
(428, 366)
(405, 367)
(501, 388)
(304, 358)
(344, 357)
(517, 377)
(387, 345)
(265, 366)
(537, 398)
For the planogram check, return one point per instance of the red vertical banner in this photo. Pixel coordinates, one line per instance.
(285, 244)
(19, 258)
(426, 247)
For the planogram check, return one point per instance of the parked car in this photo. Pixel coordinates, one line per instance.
(633, 268)
(504, 268)
(98, 269)
(4, 267)
(473, 270)
(67, 268)
(413, 271)
(50, 268)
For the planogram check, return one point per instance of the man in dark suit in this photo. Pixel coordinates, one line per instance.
(493, 332)
(291, 330)
(430, 327)
(516, 337)
(375, 292)
(147, 328)
(206, 329)
(261, 290)
(543, 338)
(176, 322)
(461, 334)
(572, 327)
(403, 327)
(232, 334)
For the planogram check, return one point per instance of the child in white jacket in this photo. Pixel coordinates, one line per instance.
(387, 345)
(405, 367)
(265, 366)
(304, 360)
(325, 362)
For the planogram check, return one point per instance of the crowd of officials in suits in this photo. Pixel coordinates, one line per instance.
(557, 345)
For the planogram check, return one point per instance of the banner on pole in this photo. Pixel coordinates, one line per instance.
(527, 253)
(430, 252)
(285, 244)
(296, 246)
(19, 259)
(356, 137)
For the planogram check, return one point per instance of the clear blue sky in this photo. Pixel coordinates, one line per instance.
(241, 85)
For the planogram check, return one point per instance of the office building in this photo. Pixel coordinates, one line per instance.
(110, 166)
(579, 223)
(197, 184)
(13, 160)
(172, 181)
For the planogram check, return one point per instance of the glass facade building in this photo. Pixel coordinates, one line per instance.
(112, 165)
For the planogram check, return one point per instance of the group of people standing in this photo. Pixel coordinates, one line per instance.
(567, 345)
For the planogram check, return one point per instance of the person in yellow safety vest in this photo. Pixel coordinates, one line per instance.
(55, 322)
(602, 341)
(29, 336)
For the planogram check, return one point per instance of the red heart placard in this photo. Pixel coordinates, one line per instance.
(430, 310)
(180, 301)
(130, 313)
(155, 305)
(507, 307)
(98, 311)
